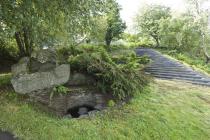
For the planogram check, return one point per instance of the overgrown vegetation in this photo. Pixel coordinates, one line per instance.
(116, 74)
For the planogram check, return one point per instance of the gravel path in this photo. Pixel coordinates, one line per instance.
(166, 68)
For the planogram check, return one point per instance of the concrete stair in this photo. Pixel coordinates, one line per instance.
(166, 68)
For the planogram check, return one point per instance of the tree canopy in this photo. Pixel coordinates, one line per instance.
(115, 25)
(38, 22)
(149, 19)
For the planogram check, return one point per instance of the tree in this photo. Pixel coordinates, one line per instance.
(97, 34)
(115, 25)
(179, 33)
(33, 22)
(148, 21)
(201, 18)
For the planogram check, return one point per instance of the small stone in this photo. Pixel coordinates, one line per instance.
(83, 110)
(68, 116)
(83, 116)
(99, 107)
(92, 113)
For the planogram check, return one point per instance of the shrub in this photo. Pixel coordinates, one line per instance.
(122, 79)
(8, 50)
(111, 103)
(59, 90)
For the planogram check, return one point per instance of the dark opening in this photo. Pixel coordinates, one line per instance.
(6, 136)
(75, 112)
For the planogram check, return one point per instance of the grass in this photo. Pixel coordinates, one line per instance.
(166, 110)
(4, 79)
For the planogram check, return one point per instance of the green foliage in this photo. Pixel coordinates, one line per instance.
(121, 76)
(115, 25)
(5, 79)
(186, 32)
(7, 49)
(45, 23)
(148, 21)
(137, 40)
(59, 90)
(111, 103)
(98, 32)
(145, 60)
(180, 34)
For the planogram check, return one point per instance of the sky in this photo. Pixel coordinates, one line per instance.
(131, 7)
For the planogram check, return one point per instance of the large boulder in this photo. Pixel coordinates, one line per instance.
(43, 60)
(22, 67)
(36, 66)
(28, 83)
(44, 55)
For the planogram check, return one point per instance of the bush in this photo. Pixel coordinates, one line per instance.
(123, 79)
(8, 50)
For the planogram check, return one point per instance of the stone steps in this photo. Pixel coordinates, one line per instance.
(194, 79)
(191, 82)
(167, 71)
(166, 68)
(176, 75)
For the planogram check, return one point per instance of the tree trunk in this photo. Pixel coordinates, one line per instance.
(20, 44)
(26, 41)
(108, 43)
(157, 42)
(206, 55)
(156, 38)
(204, 48)
(207, 60)
(108, 39)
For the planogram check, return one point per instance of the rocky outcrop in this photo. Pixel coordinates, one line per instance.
(43, 60)
(78, 102)
(39, 72)
(44, 55)
(22, 67)
(40, 80)
(38, 77)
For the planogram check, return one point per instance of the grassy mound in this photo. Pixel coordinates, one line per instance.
(119, 74)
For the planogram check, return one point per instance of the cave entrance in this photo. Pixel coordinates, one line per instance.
(78, 111)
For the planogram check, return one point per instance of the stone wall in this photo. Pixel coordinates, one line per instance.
(60, 104)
